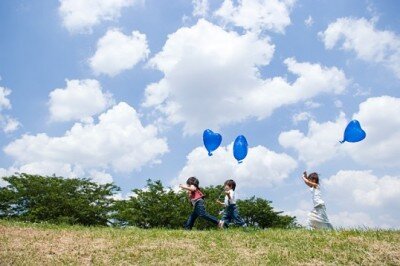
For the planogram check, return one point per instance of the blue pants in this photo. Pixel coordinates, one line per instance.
(199, 211)
(231, 214)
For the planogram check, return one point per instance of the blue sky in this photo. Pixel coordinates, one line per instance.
(123, 91)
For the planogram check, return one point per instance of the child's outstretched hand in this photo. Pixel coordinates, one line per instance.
(305, 174)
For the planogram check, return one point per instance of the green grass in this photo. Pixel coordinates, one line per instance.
(44, 244)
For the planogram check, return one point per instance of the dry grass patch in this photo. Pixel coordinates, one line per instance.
(32, 244)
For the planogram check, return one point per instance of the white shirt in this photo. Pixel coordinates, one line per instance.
(316, 196)
(232, 200)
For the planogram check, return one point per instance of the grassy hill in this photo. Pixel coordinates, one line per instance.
(27, 244)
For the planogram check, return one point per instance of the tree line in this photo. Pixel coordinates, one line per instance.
(55, 199)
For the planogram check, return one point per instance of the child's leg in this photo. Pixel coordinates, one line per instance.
(236, 217)
(227, 217)
(201, 211)
(190, 221)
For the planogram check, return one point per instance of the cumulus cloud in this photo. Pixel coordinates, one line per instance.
(363, 188)
(347, 219)
(303, 116)
(100, 177)
(309, 21)
(211, 78)
(117, 52)
(4, 101)
(261, 168)
(117, 142)
(379, 117)
(200, 8)
(321, 142)
(7, 123)
(362, 37)
(79, 100)
(364, 198)
(257, 15)
(80, 16)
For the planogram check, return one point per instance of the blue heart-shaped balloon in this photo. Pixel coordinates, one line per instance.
(353, 132)
(211, 140)
(240, 148)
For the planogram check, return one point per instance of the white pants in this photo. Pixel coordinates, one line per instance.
(317, 218)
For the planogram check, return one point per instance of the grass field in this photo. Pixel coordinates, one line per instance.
(43, 244)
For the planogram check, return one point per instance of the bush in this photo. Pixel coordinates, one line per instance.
(157, 206)
(54, 199)
(80, 201)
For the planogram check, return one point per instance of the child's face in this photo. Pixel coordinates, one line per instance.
(227, 187)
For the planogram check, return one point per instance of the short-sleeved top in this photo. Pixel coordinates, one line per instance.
(232, 199)
(316, 196)
(195, 196)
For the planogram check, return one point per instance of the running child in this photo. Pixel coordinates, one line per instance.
(197, 199)
(231, 213)
(317, 217)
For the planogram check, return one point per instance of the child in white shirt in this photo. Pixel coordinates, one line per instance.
(231, 213)
(317, 218)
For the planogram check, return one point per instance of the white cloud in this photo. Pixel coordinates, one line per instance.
(200, 8)
(362, 37)
(80, 100)
(4, 101)
(352, 220)
(7, 123)
(319, 145)
(303, 116)
(118, 141)
(80, 16)
(257, 15)
(309, 21)
(211, 79)
(100, 177)
(338, 103)
(117, 52)
(380, 119)
(49, 168)
(363, 199)
(363, 188)
(312, 105)
(261, 167)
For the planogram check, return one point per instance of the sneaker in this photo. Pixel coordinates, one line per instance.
(221, 224)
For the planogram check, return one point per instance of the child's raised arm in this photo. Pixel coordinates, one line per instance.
(308, 182)
(189, 188)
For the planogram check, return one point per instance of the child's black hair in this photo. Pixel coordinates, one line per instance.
(231, 184)
(314, 176)
(193, 181)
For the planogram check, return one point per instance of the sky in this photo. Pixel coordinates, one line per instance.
(122, 90)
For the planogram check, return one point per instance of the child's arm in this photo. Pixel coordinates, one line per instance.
(228, 194)
(189, 188)
(308, 182)
(220, 202)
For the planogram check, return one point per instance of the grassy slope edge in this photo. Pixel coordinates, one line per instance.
(44, 244)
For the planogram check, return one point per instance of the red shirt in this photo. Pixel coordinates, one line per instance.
(195, 195)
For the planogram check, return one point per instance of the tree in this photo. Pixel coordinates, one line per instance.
(57, 200)
(258, 212)
(155, 206)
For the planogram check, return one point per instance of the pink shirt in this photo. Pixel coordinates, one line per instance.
(195, 195)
